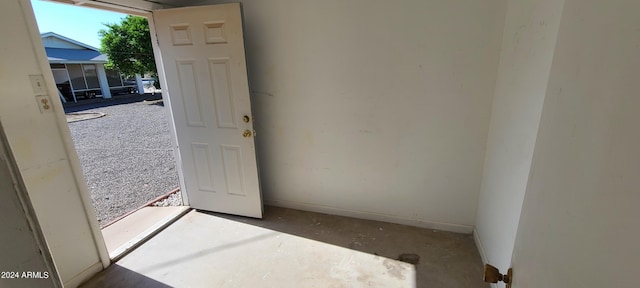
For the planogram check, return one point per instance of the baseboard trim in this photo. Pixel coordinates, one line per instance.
(84, 275)
(480, 246)
(483, 253)
(466, 229)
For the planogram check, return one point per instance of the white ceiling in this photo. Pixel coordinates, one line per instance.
(134, 6)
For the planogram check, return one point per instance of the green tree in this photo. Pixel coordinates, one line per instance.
(128, 46)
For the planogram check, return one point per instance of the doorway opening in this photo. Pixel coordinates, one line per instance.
(208, 114)
(119, 127)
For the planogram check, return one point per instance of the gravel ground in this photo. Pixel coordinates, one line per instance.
(173, 200)
(126, 156)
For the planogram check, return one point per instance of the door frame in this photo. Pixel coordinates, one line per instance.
(26, 207)
(61, 120)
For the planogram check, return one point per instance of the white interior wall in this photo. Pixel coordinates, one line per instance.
(528, 43)
(367, 116)
(374, 109)
(579, 223)
(42, 147)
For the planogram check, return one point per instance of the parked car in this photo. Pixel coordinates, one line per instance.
(129, 87)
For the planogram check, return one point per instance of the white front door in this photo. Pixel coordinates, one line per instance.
(202, 53)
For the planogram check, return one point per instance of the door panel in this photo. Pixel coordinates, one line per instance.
(202, 51)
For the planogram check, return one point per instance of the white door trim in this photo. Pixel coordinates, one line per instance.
(65, 133)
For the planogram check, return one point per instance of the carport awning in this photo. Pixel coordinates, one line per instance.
(61, 55)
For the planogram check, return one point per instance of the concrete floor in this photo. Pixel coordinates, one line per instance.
(215, 250)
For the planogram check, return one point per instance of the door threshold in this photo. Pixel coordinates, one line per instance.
(127, 233)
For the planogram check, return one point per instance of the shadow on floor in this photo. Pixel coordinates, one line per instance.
(134, 278)
(445, 259)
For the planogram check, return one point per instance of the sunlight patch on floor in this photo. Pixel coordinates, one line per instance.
(202, 250)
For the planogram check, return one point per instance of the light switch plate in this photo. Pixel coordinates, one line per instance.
(38, 85)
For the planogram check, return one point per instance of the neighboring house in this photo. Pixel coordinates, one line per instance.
(79, 71)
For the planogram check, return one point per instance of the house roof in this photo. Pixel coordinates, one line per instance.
(66, 50)
(66, 39)
(60, 55)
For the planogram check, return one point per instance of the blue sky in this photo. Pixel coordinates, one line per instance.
(75, 22)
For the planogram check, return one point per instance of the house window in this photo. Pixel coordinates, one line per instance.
(114, 78)
(60, 76)
(91, 76)
(77, 77)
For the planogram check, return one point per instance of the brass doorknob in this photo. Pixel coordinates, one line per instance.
(492, 275)
(247, 133)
